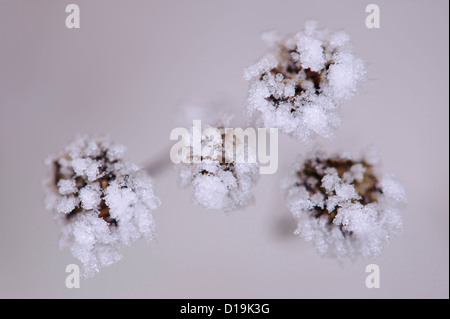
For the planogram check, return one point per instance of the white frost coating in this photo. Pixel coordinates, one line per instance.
(66, 204)
(101, 201)
(217, 183)
(345, 75)
(265, 64)
(343, 205)
(393, 189)
(311, 53)
(299, 86)
(66, 186)
(90, 196)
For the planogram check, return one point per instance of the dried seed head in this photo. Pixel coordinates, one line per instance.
(219, 182)
(343, 205)
(298, 86)
(101, 201)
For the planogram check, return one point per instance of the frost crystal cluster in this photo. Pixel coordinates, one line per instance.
(343, 206)
(101, 201)
(219, 181)
(299, 85)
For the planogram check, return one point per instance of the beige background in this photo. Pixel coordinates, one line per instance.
(128, 70)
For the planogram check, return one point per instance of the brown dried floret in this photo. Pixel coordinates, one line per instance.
(313, 172)
(291, 70)
(107, 175)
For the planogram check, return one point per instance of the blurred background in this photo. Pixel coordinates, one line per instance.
(128, 71)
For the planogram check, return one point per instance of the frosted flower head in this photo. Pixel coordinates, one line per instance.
(101, 201)
(343, 205)
(219, 181)
(299, 85)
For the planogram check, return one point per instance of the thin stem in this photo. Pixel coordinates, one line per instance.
(158, 164)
